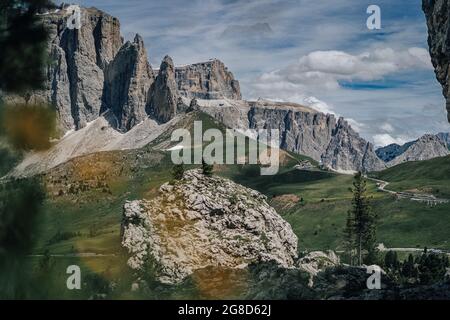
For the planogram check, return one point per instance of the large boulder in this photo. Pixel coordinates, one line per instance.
(204, 221)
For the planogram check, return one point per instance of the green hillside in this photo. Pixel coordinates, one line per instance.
(430, 176)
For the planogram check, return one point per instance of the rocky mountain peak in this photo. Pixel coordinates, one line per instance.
(138, 40)
(347, 151)
(164, 93)
(167, 65)
(210, 221)
(207, 80)
(127, 82)
(426, 147)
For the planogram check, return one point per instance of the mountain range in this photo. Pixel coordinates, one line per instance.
(420, 149)
(107, 96)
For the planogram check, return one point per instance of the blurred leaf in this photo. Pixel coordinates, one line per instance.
(28, 127)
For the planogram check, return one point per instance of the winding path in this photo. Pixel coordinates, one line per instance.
(420, 197)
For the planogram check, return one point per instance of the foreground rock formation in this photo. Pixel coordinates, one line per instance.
(437, 13)
(317, 261)
(204, 221)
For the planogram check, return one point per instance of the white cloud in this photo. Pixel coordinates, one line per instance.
(325, 69)
(384, 139)
(387, 127)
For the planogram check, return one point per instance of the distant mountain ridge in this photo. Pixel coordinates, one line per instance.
(426, 147)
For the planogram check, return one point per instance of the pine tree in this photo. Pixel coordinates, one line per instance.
(207, 168)
(363, 219)
(178, 171)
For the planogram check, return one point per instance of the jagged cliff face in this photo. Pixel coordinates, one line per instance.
(92, 71)
(75, 80)
(437, 13)
(128, 79)
(347, 151)
(207, 80)
(302, 130)
(164, 93)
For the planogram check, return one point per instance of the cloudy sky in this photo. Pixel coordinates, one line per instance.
(318, 53)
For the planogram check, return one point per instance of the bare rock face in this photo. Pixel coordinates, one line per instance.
(301, 131)
(437, 13)
(205, 221)
(426, 147)
(83, 54)
(75, 76)
(347, 151)
(207, 80)
(164, 93)
(127, 82)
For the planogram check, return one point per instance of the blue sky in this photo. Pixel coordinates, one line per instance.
(319, 53)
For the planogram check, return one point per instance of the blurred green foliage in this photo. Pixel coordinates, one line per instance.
(23, 54)
(23, 43)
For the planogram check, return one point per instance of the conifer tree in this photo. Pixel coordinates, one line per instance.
(360, 229)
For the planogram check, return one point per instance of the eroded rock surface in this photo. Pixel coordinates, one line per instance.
(207, 80)
(127, 82)
(164, 92)
(205, 221)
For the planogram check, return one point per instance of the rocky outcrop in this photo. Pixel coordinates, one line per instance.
(164, 93)
(317, 261)
(127, 82)
(204, 221)
(347, 151)
(426, 147)
(207, 80)
(437, 13)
